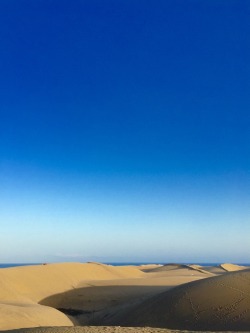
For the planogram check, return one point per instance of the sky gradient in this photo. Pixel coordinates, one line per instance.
(124, 130)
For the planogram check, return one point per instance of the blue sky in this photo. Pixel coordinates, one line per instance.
(124, 130)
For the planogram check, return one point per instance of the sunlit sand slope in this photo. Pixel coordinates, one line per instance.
(21, 288)
(216, 303)
(232, 267)
(38, 282)
(30, 315)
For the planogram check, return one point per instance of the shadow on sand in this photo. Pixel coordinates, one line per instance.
(101, 305)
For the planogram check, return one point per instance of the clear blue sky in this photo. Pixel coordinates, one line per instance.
(124, 130)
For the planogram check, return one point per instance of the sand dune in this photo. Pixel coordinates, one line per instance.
(232, 267)
(148, 267)
(23, 287)
(95, 294)
(217, 270)
(99, 302)
(36, 282)
(170, 267)
(30, 315)
(216, 303)
(201, 269)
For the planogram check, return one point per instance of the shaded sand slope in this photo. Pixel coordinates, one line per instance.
(98, 302)
(216, 270)
(220, 269)
(167, 267)
(199, 268)
(170, 267)
(147, 267)
(23, 287)
(216, 303)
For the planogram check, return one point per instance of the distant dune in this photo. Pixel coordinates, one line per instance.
(232, 267)
(167, 267)
(148, 267)
(217, 270)
(170, 267)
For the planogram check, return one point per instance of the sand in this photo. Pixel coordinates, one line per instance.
(154, 298)
(216, 303)
(22, 288)
(100, 329)
(232, 267)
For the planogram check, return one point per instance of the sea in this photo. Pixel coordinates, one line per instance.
(8, 265)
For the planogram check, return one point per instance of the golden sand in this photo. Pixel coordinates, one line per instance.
(155, 298)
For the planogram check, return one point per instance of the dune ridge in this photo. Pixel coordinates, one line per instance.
(37, 282)
(173, 266)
